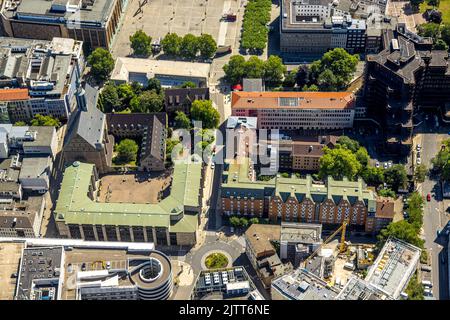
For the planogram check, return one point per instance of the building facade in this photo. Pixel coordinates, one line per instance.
(93, 22)
(405, 76)
(173, 221)
(39, 77)
(296, 110)
(316, 26)
(298, 200)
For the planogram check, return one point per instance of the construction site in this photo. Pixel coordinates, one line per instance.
(343, 266)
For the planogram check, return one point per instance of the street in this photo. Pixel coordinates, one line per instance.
(434, 211)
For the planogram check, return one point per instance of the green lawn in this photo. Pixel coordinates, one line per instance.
(444, 7)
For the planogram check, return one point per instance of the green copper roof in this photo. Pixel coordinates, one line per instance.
(75, 207)
(239, 182)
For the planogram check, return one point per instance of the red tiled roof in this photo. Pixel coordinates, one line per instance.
(14, 94)
(308, 100)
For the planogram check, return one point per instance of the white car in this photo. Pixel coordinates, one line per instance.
(377, 164)
(213, 166)
(385, 165)
(390, 164)
(419, 161)
(418, 147)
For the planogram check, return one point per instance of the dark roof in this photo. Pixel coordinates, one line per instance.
(89, 123)
(179, 95)
(153, 127)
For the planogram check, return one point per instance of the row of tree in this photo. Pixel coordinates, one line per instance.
(271, 71)
(132, 97)
(332, 72)
(189, 46)
(440, 33)
(242, 222)
(254, 27)
(441, 162)
(41, 121)
(349, 159)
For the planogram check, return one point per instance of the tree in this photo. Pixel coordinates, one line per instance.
(441, 163)
(202, 110)
(127, 150)
(434, 16)
(338, 163)
(362, 156)
(414, 290)
(253, 221)
(254, 68)
(102, 63)
(445, 33)
(188, 84)
(243, 222)
(154, 84)
(235, 69)
(327, 81)
(235, 221)
(141, 43)
(125, 93)
(274, 70)
(311, 88)
(334, 70)
(303, 75)
(429, 30)
(172, 144)
(45, 121)
(170, 44)
(348, 143)
(290, 78)
(148, 101)
(373, 176)
(396, 177)
(207, 46)
(420, 173)
(109, 98)
(415, 212)
(401, 230)
(440, 45)
(20, 124)
(189, 46)
(182, 120)
(254, 29)
(387, 193)
(137, 88)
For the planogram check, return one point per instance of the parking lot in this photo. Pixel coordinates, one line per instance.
(159, 17)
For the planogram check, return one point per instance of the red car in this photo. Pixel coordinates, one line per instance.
(428, 197)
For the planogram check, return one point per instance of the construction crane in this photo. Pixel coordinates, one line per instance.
(343, 227)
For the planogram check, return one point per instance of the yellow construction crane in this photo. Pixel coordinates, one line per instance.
(343, 227)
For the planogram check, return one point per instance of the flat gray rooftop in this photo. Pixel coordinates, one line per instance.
(393, 267)
(302, 285)
(98, 12)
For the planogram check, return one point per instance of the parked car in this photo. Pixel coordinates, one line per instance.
(377, 164)
(385, 165)
(108, 265)
(418, 161)
(83, 266)
(418, 147)
(429, 197)
(390, 164)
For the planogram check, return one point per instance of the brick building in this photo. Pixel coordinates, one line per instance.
(95, 22)
(300, 200)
